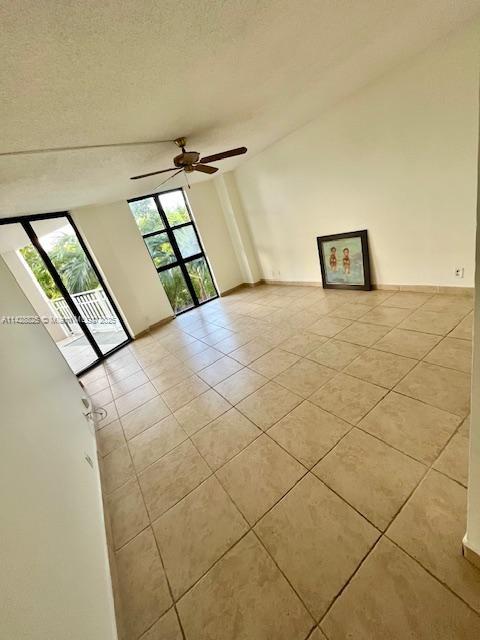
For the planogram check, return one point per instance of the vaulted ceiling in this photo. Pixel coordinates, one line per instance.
(224, 73)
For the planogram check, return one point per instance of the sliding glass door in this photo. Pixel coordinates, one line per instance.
(70, 290)
(169, 232)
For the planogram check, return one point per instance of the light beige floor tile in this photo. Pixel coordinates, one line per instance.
(317, 540)
(250, 351)
(182, 393)
(374, 297)
(169, 479)
(219, 370)
(244, 596)
(350, 311)
(98, 384)
(240, 385)
(217, 335)
(415, 428)
(110, 437)
(153, 443)
(190, 350)
(124, 372)
(453, 353)
(460, 305)
(267, 405)
(94, 374)
(170, 377)
(439, 323)
(275, 335)
(370, 475)
(102, 398)
(167, 628)
(386, 316)
(128, 515)
(407, 299)
(110, 414)
(223, 438)
(465, 329)
(348, 398)
(308, 433)
(202, 410)
(145, 416)
(259, 476)
(128, 384)
(381, 368)
(392, 597)
(196, 532)
(302, 319)
(176, 341)
(362, 333)
(326, 305)
(234, 342)
(443, 388)
(328, 326)
(117, 468)
(162, 365)
(305, 377)
(430, 528)
(411, 344)
(135, 398)
(453, 461)
(302, 343)
(273, 362)
(144, 594)
(203, 359)
(336, 354)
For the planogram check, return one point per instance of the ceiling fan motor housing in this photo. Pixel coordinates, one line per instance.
(186, 159)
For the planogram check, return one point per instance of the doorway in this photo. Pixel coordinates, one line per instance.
(171, 237)
(52, 265)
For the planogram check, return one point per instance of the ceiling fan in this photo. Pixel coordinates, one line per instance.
(190, 161)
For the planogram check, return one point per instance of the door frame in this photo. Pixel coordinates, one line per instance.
(180, 260)
(25, 222)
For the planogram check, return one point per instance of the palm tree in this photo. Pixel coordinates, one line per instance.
(71, 262)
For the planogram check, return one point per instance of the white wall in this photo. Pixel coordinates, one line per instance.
(54, 577)
(215, 235)
(34, 292)
(398, 158)
(120, 253)
(234, 215)
(472, 536)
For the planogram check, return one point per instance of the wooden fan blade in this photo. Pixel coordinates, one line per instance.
(169, 178)
(224, 154)
(153, 173)
(204, 168)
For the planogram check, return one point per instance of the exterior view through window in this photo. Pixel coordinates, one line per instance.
(169, 232)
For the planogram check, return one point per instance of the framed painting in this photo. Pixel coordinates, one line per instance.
(344, 261)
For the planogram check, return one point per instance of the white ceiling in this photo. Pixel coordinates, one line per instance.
(223, 72)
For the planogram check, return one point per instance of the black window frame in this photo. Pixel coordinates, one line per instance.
(180, 260)
(25, 221)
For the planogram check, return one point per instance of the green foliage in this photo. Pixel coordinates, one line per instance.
(43, 277)
(160, 249)
(146, 215)
(71, 262)
(176, 289)
(201, 279)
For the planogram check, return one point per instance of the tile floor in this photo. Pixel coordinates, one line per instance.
(289, 463)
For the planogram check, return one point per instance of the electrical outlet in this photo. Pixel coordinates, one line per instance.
(459, 272)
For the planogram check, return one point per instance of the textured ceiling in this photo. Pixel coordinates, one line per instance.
(224, 73)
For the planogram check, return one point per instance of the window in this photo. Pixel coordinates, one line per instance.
(172, 240)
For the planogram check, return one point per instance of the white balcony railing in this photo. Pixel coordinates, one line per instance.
(95, 309)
